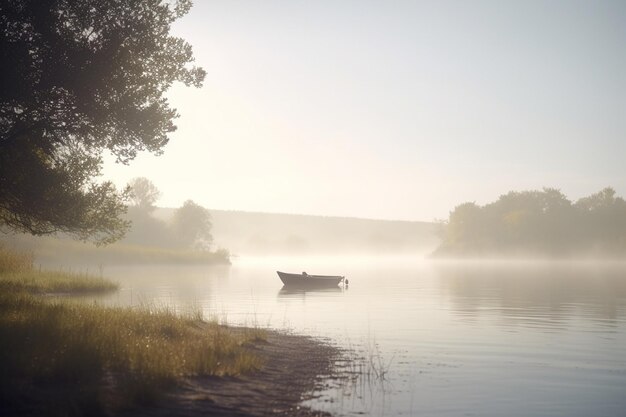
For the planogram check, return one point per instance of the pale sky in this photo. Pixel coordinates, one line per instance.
(394, 109)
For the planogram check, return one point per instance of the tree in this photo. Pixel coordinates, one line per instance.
(80, 78)
(143, 194)
(145, 229)
(605, 216)
(192, 225)
(602, 200)
(537, 222)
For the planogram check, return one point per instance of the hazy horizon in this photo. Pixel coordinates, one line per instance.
(369, 208)
(393, 111)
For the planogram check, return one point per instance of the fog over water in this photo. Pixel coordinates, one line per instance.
(460, 163)
(486, 338)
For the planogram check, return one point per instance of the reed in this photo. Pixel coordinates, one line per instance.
(362, 373)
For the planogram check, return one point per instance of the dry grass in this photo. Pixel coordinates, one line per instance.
(54, 282)
(72, 358)
(15, 261)
(17, 274)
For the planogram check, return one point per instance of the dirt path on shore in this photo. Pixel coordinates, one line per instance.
(294, 367)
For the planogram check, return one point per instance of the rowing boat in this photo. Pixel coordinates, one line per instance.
(307, 280)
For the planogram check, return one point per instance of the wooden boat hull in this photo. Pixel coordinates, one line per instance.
(309, 281)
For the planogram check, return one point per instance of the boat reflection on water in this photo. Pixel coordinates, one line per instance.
(295, 292)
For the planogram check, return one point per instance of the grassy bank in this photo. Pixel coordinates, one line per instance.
(65, 251)
(46, 282)
(18, 274)
(68, 358)
(60, 251)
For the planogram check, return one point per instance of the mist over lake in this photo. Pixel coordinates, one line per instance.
(515, 338)
(312, 208)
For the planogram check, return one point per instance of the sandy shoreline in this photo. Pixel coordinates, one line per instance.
(294, 366)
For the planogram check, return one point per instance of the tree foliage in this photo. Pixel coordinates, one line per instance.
(192, 225)
(143, 194)
(80, 78)
(537, 223)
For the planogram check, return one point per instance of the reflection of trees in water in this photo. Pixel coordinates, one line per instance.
(541, 295)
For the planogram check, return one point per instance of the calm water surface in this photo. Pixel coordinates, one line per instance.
(454, 339)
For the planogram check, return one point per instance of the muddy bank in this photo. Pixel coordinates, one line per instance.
(294, 367)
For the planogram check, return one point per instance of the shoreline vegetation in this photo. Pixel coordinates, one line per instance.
(60, 251)
(537, 224)
(63, 357)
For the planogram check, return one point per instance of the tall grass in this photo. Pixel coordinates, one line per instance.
(72, 358)
(18, 274)
(137, 352)
(54, 282)
(15, 261)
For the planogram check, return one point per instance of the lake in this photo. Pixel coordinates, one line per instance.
(436, 338)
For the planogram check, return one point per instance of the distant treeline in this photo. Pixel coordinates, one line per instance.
(537, 223)
(185, 237)
(249, 233)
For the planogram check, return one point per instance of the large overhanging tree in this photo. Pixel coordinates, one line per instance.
(79, 78)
